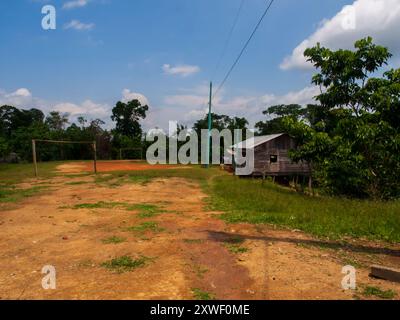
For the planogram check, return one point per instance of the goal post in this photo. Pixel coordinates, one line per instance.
(34, 153)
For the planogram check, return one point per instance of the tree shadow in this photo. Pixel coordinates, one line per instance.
(226, 237)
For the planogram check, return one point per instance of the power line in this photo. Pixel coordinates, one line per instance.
(228, 40)
(244, 48)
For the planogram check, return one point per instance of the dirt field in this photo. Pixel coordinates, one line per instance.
(109, 166)
(190, 251)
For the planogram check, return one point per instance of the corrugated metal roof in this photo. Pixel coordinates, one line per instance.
(256, 141)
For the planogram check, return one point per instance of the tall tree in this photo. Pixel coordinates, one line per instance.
(276, 115)
(352, 136)
(127, 117)
(57, 121)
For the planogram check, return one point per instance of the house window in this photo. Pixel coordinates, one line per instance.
(273, 159)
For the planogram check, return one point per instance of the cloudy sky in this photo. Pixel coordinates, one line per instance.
(165, 52)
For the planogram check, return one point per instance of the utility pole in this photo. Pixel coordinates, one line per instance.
(209, 128)
(34, 157)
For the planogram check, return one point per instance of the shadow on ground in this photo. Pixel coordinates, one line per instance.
(226, 237)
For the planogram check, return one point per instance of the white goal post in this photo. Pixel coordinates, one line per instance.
(92, 143)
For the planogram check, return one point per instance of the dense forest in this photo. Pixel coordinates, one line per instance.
(350, 136)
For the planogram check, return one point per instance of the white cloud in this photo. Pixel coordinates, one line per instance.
(182, 70)
(191, 105)
(23, 98)
(127, 95)
(86, 108)
(379, 19)
(75, 4)
(80, 26)
(17, 98)
(302, 97)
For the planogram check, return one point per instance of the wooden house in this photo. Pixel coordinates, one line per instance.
(271, 156)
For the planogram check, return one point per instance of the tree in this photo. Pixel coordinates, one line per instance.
(351, 138)
(127, 117)
(56, 121)
(277, 114)
(221, 122)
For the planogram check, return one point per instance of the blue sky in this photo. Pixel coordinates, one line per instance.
(165, 52)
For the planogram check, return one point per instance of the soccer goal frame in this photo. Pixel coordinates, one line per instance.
(121, 151)
(34, 154)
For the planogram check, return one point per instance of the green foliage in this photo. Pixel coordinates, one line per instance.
(351, 139)
(127, 117)
(277, 115)
(4, 147)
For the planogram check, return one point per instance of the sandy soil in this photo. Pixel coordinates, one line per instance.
(190, 252)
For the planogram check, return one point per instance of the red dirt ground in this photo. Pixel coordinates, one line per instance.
(109, 166)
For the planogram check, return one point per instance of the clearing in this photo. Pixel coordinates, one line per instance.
(155, 233)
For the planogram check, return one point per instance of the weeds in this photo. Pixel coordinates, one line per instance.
(377, 292)
(146, 226)
(199, 294)
(125, 264)
(113, 240)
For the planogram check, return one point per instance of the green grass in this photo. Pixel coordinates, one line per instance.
(234, 245)
(146, 226)
(16, 173)
(99, 205)
(199, 294)
(125, 264)
(377, 292)
(12, 194)
(247, 200)
(234, 248)
(113, 240)
(145, 210)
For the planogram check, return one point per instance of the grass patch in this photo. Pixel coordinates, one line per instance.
(199, 294)
(245, 200)
(99, 205)
(113, 240)
(16, 173)
(11, 194)
(146, 226)
(234, 245)
(125, 264)
(234, 248)
(377, 292)
(145, 210)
